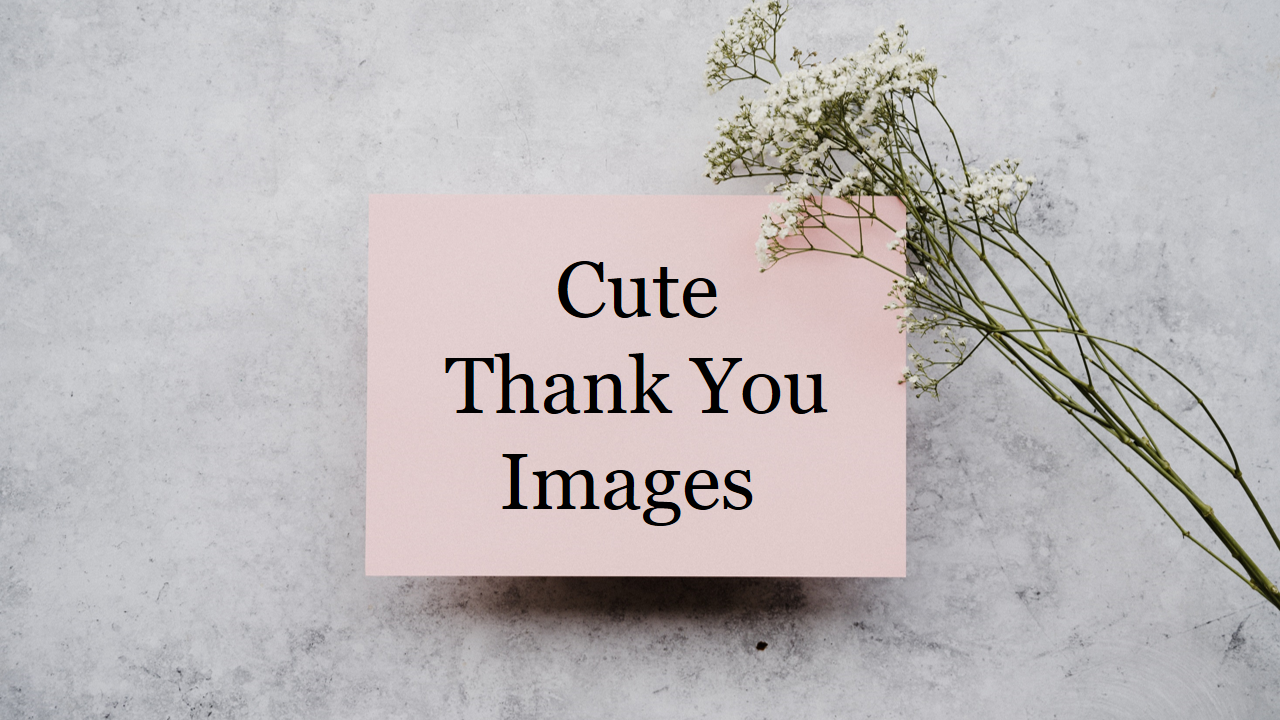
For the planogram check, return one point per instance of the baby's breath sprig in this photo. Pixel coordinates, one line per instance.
(748, 46)
(833, 135)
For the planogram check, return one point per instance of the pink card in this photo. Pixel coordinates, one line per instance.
(734, 423)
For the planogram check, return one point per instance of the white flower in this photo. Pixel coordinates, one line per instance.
(765, 253)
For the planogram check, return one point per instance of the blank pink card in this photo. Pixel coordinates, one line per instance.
(705, 418)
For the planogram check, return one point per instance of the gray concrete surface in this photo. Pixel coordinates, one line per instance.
(182, 298)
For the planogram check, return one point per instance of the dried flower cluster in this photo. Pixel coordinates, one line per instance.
(833, 135)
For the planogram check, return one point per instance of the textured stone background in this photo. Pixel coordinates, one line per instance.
(182, 299)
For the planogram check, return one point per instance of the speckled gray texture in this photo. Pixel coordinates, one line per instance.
(182, 338)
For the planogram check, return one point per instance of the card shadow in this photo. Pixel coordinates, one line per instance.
(646, 596)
